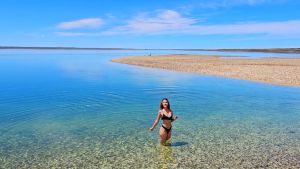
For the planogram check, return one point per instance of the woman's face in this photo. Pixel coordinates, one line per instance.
(165, 103)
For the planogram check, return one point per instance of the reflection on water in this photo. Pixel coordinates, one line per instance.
(62, 109)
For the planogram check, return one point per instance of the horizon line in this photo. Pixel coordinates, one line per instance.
(280, 50)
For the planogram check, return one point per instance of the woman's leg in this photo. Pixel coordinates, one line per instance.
(163, 135)
(169, 136)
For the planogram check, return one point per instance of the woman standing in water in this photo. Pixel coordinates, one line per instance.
(166, 114)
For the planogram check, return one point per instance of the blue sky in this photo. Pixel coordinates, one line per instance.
(151, 23)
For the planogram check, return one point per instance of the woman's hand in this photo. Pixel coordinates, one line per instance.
(151, 129)
(175, 117)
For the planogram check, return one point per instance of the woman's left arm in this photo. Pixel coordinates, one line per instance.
(174, 118)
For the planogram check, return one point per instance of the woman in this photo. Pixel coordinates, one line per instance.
(166, 114)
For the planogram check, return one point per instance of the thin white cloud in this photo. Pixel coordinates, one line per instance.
(172, 22)
(166, 19)
(162, 21)
(231, 3)
(252, 2)
(277, 28)
(82, 23)
(71, 33)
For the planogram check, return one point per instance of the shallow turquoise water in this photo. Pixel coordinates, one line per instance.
(76, 109)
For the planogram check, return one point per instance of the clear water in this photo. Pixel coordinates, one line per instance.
(76, 109)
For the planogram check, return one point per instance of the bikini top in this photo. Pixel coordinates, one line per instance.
(164, 117)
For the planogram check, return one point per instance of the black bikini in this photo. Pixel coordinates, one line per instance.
(167, 130)
(164, 117)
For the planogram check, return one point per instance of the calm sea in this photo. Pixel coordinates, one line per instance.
(77, 109)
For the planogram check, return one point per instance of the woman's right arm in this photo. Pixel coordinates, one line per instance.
(156, 121)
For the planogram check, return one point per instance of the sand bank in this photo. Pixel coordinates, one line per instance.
(283, 71)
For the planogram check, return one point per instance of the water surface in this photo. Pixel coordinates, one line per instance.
(76, 109)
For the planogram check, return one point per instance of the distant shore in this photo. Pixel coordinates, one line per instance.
(283, 71)
(266, 50)
(62, 48)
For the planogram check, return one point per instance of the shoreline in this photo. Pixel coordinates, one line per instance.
(275, 70)
(261, 50)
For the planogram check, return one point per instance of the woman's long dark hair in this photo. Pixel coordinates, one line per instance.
(161, 105)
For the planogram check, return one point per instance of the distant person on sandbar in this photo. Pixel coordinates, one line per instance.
(166, 114)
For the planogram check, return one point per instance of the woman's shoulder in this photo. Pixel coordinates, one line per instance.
(159, 111)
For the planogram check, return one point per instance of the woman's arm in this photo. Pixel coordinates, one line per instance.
(174, 118)
(156, 121)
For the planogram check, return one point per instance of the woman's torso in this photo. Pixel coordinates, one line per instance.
(166, 117)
